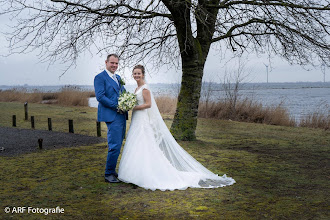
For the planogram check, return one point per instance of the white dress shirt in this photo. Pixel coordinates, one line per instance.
(113, 76)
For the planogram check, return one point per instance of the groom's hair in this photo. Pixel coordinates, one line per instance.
(112, 55)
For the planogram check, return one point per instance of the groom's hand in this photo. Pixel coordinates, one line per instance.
(120, 111)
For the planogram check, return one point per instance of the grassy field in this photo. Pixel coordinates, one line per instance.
(281, 173)
(84, 118)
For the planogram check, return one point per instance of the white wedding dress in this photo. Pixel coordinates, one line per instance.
(152, 159)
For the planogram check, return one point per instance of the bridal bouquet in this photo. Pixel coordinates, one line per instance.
(126, 101)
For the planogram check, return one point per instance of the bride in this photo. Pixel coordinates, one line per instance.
(151, 158)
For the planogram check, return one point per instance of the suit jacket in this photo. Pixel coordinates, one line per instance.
(107, 93)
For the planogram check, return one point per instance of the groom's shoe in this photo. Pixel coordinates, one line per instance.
(111, 179)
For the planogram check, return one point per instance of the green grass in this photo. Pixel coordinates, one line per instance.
(84, 118)
(281, 173)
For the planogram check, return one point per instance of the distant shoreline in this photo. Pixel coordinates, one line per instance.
(248, 85)
(288, 104)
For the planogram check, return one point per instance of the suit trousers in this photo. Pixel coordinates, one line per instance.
(116, 134)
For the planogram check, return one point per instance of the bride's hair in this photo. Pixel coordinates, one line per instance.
(141, 67)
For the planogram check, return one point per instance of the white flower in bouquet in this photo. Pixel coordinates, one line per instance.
(126, 101)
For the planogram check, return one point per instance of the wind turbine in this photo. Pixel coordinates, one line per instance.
(323, 71)
(267, 71)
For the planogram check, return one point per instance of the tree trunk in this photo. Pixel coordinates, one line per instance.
(193, 51)
(185, 118)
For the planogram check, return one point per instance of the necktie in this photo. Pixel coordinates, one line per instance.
(115, 79)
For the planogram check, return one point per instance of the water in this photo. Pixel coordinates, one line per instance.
(299, 98)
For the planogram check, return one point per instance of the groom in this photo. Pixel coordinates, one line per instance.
(107, 89)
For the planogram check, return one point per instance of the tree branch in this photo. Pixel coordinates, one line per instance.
(151, 14)
(228, 3)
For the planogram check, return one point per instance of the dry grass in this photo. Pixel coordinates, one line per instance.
(316, 120)
(71, 96)
(68, 96)
(245, 110)
(20, 95)
(166, 104)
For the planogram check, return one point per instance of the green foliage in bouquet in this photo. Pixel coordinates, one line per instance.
(126, 101)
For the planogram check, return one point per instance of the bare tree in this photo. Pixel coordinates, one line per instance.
(172, 31)
(207, 93)
(232, 83)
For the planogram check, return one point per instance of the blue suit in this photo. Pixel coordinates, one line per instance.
(107, 92)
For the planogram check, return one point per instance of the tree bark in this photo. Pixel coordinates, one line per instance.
(194, 51)
(185, 118)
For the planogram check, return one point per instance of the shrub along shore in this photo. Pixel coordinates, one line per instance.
(67, 96)
(244, 110)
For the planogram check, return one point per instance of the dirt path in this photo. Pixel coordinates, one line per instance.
(15, 141)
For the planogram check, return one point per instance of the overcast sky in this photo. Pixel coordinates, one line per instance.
(20, 69)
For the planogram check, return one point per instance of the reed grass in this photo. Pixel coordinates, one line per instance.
(318, 119)
(68, 96)
(20, 95)
(166, 104)
(71, 96)
(245, 110)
